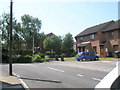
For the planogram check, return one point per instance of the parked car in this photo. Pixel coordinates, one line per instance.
(86, 56)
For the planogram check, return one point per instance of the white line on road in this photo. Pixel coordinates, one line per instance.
(96, 79)
(79, 75)
(22, 82)
(56, 69)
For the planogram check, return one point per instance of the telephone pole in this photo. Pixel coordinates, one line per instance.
(10, 50)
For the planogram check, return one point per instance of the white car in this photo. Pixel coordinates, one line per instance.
(111, 81)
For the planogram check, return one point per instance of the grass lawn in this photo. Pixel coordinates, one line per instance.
(66, 59)
(70, 59)
(107, 58)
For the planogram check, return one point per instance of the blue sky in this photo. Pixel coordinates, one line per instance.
(63, 17)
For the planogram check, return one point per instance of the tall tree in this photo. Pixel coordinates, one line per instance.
(42, 37)
(67, 44)
(30, 28)
(5, 27)
(53, 43)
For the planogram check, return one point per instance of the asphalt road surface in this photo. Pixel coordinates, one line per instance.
(68, 74)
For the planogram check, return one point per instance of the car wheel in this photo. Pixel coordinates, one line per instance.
(83, 59)
(97, 58)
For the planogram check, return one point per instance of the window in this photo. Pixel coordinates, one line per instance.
(115, 47)
(110, 34)
(80, 38)
(92, 36)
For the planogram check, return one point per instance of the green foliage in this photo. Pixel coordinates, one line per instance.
(38, 57)
(5, 56)
(41, 37)
(67, 45)
(5, 27)
(22, 33)
(30, 28)
(53, 44)
(24, 59)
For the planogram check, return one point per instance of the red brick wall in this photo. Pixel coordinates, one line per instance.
(96, 43)
(112, 37)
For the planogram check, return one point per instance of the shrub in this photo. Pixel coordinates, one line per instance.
(38, 57)
(5, 57)
(24, 59)
(26, 52)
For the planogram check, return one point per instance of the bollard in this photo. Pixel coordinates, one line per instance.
(62, 58)
(56, 57)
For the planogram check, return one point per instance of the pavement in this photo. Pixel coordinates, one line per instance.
(8, 82)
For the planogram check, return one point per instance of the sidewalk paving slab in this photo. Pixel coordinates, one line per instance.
(9, 82)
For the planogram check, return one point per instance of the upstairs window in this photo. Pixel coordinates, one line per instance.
(81, 38)
(110, 34)
(92, 36)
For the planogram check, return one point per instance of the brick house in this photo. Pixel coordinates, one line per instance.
(102, 39)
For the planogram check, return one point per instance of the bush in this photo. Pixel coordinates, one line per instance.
(38, 57)
(5, 57)
(24, 59)
(69, 53)
(26, 52)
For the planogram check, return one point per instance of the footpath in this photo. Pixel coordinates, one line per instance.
(8, 82)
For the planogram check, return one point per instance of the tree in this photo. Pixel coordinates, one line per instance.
(22, 32)
(17, 37)
(53, 43)
(67, 44)
(30, 28)
(5, 27)
(42, 37)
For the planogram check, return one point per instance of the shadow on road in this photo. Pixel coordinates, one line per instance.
(52, 81)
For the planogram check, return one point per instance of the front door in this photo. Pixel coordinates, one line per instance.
(102, 51)
(82, 49)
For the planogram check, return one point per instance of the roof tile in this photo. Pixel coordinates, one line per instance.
(95, 29)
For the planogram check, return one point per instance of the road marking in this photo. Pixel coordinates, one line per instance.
(96, 79)
(79, 75)
(56, 69)
(22, 82)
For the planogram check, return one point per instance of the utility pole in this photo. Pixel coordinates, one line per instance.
(33, 43)
(10, 50)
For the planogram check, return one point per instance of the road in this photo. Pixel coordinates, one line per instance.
(68, 74)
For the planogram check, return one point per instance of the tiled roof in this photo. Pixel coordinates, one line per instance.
(116, 25)
(50, 34)
(95, 29)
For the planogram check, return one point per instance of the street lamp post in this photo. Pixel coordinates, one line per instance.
(10, 52)
(33, 43)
